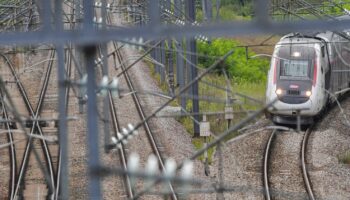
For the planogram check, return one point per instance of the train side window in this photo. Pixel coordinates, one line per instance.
(322, 51)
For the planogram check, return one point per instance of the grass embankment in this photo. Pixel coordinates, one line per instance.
(218, 124)
(230, 10)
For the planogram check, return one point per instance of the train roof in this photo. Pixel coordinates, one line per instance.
(301, 36)
(310, 34)
(317, 35)
(343, 17)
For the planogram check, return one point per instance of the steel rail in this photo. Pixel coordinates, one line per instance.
(35, 125)
(141, 112)
(70, 59)
(116, 130)
(69, 73)
(266, 166)
(267, 190)
(143, 117)
(29, 108)
(146, 125)
(122, 152)
(12, 150)
(303, 152)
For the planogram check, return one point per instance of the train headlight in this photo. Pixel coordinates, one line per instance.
(279, 91)
(308, 93)
(296, 54)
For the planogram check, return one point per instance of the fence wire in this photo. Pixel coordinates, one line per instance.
(165, 33)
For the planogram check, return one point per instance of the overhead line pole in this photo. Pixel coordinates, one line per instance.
(207, 10)
(162, 50)
(169, 55)
(89, 52)
(162, 60)
(180, 74)
(192, 70)
(154, 21)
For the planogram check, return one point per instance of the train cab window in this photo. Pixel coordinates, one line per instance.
(294, 69)
(296, 62)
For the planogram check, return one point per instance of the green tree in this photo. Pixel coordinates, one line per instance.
(237, 65)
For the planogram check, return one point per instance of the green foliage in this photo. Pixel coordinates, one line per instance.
(229, 13)
(233, 2)
(217, 122)
(345, 157)
(250, 86)
(230, 9)
(336, 10)
(237, 65)
(226, 14)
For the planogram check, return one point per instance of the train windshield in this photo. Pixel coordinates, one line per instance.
(294, 68)
(295, 62)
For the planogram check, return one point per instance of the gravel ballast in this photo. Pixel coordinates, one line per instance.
(329, 177)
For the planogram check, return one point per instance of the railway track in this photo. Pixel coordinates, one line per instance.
(269, 193)
(150, 135)
(265, 169)
(12, 150)
(117, 129)
(58, 172)
(303, 152)
(35, 129)
(69, 68)
(122, 150)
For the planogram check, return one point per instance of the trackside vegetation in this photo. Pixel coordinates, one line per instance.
(344, 157)
(246, 76)
(239, 65)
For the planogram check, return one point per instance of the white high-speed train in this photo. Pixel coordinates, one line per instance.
(307, 71)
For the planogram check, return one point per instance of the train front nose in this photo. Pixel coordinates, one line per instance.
(293, 72)
(293, 96)
(293, 92)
